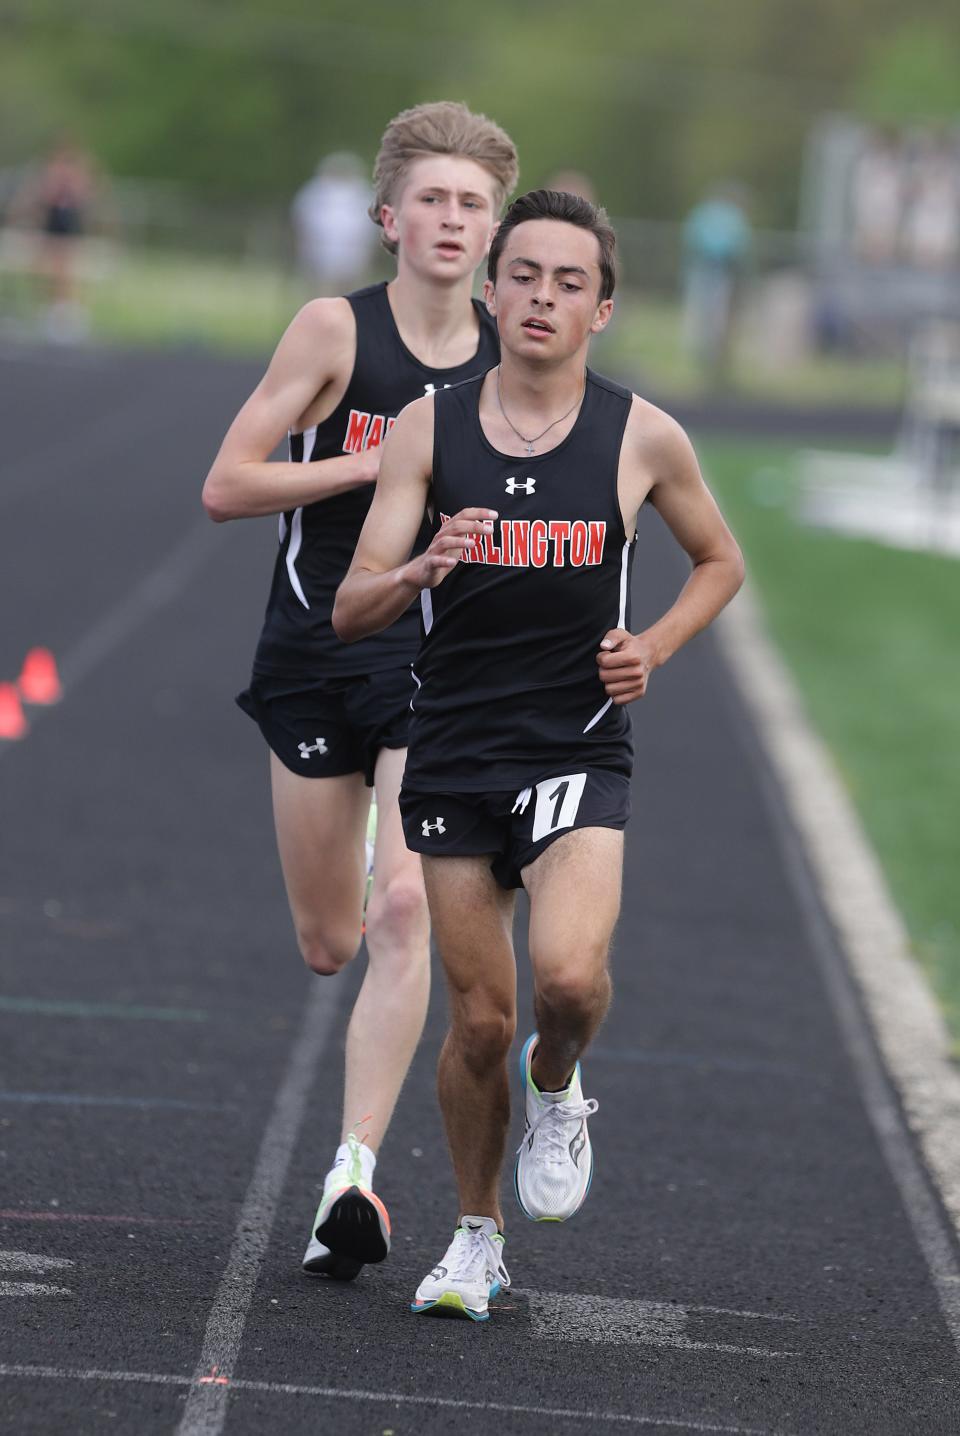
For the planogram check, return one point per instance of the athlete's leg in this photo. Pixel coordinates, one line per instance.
(321, 824)
(574, 890)
(391, 1007)
(472, 918)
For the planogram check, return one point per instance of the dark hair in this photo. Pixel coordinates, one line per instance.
(558, 204)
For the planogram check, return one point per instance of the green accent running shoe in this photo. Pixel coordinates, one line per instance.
(351, 1219)
(469, 1274)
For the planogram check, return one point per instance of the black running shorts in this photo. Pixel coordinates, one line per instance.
(513, 828)
(337, 729)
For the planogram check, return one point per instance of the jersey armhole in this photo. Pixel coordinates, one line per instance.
(627, 409)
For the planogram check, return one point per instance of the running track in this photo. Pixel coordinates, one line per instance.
(169, 1077)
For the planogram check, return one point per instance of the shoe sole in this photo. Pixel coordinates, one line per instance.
(358, 1226)
(453, 1304)
(333, 1266)
(516, 1167)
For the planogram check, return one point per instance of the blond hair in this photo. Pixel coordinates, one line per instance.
(444, 127)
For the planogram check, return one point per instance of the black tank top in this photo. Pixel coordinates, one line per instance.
(298, 647)
(507, 681)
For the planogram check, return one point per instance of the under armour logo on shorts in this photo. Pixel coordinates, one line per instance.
(319, 747)
(428, 827)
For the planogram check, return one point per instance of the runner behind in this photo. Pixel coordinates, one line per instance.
(335, 718)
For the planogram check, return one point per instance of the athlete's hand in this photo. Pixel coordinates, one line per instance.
(625, 661)
(370, 464)
(448, 547)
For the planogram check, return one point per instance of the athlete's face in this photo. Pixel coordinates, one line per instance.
(444, 216)
(546, 297)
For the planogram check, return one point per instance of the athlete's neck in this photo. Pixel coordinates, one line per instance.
(437, 323)
(541, 388)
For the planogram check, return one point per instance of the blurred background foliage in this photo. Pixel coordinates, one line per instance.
(236, 99)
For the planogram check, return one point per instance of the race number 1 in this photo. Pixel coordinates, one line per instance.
(557, 802)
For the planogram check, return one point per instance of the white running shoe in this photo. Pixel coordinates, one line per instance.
(351, 1219)
(319, 1260)
(470, 1273)
(555, 1160)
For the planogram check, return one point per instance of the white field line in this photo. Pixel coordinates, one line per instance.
(206, 1407)
(32, 1288)
(389, 1398)
(907, 1025)
(618, 1321)
(32, 1261)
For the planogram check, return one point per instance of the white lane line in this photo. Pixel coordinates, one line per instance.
(572, 1317)
(391, 1398)
(832, 867)
(206, 1407)
(31, 1261)
(32, 1288)
(160, 587)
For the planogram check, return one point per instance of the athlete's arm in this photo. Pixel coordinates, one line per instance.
(315, 354)
(382, 579)
(657, 462)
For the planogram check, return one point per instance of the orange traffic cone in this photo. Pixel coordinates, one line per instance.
(12, 722)
(39, 681)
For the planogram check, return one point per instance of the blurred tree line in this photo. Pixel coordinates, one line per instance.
(655, 99)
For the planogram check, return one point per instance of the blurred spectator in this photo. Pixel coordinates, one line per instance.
(931, 230)
(61, 202)
(877, 195)
(573, 182)
(333, 232)
(717, 240)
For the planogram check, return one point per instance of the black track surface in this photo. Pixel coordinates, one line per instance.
(736, 1166)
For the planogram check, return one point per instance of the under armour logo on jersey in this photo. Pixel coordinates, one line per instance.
(432, 388)
(528, 486)
(428, 827)
(318, 747)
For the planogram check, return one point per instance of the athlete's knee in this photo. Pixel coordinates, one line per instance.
(397, 912)
(483, 1030)
(572, 990)
(327, 952)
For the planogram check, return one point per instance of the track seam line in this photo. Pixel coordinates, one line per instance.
(861, 946)
(397, 1398)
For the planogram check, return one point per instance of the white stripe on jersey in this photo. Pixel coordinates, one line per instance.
(624, 570)
(621, 620)
(309, 437)
(426, 608)
(296, 539)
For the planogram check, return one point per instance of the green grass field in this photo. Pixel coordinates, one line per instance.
(871, 636)
(242, 307)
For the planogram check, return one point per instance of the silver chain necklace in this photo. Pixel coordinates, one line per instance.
(523, 439)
